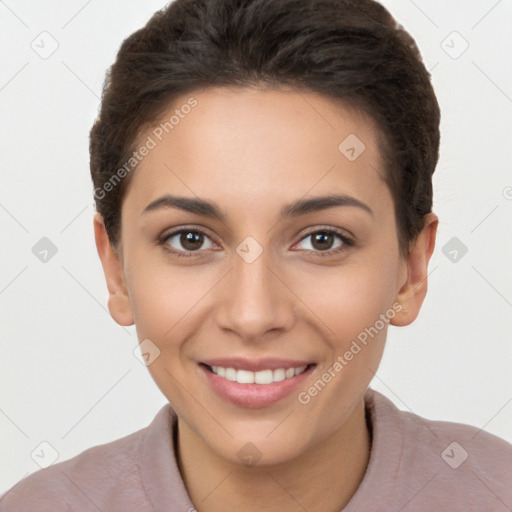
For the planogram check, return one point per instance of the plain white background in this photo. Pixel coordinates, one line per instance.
(69, 375)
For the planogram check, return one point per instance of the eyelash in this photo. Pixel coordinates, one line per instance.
(347, 242)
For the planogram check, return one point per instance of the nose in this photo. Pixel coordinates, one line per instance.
(255, 300)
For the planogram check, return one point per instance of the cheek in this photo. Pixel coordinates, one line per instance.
(162, 296)
(354, 305)
(346, 300)
(165, 303)
(340, 301)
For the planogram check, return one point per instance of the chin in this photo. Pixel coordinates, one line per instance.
(259, 452)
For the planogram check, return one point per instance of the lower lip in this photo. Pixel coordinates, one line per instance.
(254, 396)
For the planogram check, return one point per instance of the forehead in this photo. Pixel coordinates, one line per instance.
(253, 145)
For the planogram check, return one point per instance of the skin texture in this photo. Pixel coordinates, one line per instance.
(252, 151)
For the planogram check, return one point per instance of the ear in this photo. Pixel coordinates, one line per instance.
(118, 301)
(413, 291)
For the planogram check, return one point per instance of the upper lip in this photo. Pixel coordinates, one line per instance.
(255, 365)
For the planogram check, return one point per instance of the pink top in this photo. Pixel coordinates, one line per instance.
(415, 465)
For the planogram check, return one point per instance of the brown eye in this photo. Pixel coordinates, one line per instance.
(191, 240)
(323, 242)
(187, 240)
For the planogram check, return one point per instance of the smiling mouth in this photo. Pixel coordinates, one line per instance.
(263, 377)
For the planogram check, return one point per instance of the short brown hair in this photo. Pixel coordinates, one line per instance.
(348, 50)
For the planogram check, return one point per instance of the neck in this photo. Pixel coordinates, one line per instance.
(324, 478)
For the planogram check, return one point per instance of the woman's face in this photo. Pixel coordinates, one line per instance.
(230, 260)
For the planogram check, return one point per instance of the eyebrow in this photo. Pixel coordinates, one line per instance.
(295, 209)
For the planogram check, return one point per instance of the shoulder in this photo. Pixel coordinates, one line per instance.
(453, 461)
(98, 475)
(460, 444)
(73, 483)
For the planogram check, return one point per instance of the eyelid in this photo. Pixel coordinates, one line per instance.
(347, 240)
(168, 234)
(343, 233)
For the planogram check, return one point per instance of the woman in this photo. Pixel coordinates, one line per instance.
(262, 174)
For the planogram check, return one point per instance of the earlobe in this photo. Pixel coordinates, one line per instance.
(412, 293)
(118, 301)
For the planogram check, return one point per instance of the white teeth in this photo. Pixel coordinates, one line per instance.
(261, 377)
(244, 377)
(279, 375)
(230, 374)
(264, 377)
(298, 371)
